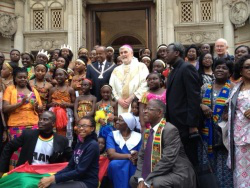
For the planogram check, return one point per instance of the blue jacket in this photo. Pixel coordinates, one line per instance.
(84, 164)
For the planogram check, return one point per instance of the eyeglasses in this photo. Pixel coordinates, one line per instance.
(207, 58)
(149, 109)
(246, 67)
(84, 126)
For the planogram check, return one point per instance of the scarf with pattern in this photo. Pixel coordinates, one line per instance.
(156, 144)
(219, 107)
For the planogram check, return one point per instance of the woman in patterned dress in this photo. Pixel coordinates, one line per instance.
(239, 125)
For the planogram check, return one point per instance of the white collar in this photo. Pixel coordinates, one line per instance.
(104, 62)
(133, 141)
(155, 128)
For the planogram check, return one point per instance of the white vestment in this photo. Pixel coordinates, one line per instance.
(127, 80)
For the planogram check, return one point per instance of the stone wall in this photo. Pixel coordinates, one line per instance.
(7, 9)
(30, 25)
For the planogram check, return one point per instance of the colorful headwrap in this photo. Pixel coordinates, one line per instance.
(162, 62)
(88, 80)
(8, 65)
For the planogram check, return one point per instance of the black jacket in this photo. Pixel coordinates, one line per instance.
(183, 97)
(93, 73)
(27, 141)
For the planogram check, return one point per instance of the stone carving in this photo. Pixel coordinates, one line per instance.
(239, 13)
(46, 44)
(8, 25)
(197, 37)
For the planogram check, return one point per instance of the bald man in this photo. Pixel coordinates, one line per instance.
(221, 48)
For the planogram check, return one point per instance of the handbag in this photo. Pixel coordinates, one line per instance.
(205, 174)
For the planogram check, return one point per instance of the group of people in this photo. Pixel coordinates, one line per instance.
(155, 120)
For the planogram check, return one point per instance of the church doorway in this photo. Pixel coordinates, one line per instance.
(121, 23)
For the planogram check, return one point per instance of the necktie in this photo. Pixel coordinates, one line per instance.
(100, 66)
(146, 168)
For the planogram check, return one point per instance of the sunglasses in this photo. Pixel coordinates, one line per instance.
(246, 67)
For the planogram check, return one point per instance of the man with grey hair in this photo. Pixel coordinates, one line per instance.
(221, 49)
(99, 72)
(128, 80)
(166, 164)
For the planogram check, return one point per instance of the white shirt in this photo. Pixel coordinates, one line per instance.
(103, 65)
(43, 150)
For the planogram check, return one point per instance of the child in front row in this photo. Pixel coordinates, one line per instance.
(135, 112)
(85, 104)
(103, 163)
(107, 104)
(61, 101)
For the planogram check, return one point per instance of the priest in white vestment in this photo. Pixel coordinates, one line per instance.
(128, 80)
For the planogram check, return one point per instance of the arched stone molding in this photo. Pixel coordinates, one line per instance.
(126, 33)
(52, 7)
(37, 6)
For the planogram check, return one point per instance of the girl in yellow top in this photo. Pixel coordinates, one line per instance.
(22, 103)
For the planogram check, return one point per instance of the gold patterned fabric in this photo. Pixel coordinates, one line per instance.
(83, 108)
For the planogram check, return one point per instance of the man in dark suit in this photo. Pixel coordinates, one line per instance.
(40, 146)
(183, 99)
(166, 164)
(100, 71)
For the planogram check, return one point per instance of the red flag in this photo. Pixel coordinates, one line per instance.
(103, 167)
(39, 169)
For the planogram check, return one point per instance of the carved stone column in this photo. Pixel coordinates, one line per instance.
(165, 21)
(228, 28)
(70, 24)
(19, 12)
(75, 24)
(84, 33)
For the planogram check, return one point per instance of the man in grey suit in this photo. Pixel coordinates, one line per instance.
(162, 161)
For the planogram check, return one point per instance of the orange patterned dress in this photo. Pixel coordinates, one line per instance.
(59, 97)
(84, 107)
